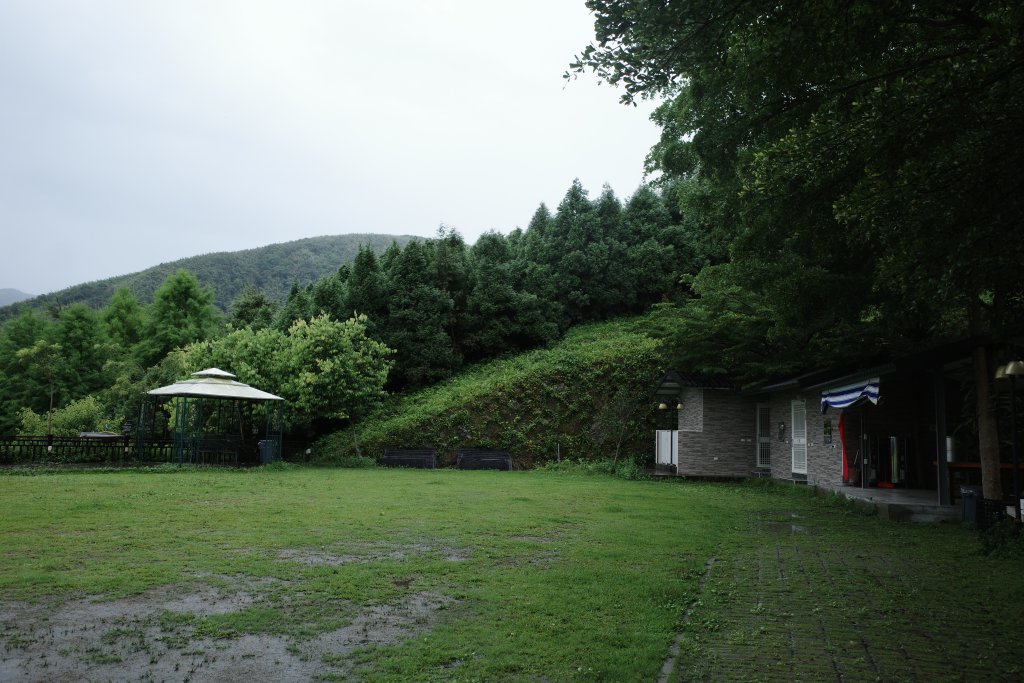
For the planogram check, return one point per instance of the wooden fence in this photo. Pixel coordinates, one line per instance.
(114, 450)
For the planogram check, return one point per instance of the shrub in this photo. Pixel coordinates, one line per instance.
(1003, 539)
(352, 462)
(83, 415)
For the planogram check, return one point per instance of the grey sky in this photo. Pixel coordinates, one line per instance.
(137, 132)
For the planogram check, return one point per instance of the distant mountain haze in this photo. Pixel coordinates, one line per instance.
(271, 269)
(13, 296)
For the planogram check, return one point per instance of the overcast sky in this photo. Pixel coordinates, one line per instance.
(138, 132)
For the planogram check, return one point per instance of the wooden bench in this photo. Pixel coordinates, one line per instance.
(483, 459)
(421, 458)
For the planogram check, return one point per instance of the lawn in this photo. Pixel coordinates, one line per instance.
(317, 574)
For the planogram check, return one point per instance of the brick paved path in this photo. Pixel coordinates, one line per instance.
(802, 602)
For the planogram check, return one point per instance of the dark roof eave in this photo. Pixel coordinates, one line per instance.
(938, 357)
(673, 382)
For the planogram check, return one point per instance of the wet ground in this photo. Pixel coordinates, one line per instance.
(804, 600)
(157, 637)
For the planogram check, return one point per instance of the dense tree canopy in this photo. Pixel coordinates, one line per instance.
(861, 158)
(84, 350)
(123, 319)
(182, 312)
(437, 303)
(20, 387)
(253, 309)
(860, 161)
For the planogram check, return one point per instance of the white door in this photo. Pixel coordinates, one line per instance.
(799, 409)
(764, 436)
(666, 447)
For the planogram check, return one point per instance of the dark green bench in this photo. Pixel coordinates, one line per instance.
(483, 459)
(420, 458)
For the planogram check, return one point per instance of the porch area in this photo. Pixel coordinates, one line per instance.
(909, 505)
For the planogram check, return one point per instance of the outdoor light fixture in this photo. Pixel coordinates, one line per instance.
(1014, 368)
(662, 406)
(782, 431)
(126, 431)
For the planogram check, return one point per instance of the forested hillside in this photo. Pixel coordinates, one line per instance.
(398, 321)
(271, 269)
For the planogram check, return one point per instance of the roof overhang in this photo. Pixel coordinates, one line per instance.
(673, 382)
(214, 383)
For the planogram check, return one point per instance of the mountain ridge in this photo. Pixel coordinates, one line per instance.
(10, 296)
(272, 269)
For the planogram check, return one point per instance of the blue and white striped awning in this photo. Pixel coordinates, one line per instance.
(841, 397)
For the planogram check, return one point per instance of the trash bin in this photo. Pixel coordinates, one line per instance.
(266, 448)
(970, 498)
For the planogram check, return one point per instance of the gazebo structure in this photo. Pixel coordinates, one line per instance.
(219, 420)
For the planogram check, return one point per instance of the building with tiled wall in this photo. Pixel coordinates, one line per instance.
(724, 432)
(716, 433)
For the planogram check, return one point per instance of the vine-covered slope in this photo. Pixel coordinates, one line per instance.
(589, 396)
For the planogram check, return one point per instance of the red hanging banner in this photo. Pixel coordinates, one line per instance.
(842, 446)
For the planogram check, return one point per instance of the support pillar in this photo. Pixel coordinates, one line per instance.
(941, 454)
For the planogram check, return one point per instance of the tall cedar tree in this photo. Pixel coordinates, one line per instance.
(182, 312)
(20, 387)
(123, 319)
(365, 294)
(418, 321)
(252, 309)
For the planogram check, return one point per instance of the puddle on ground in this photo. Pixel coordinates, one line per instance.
(316, 558)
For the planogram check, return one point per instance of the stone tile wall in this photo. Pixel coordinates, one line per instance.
(722, 442)
(824, 460)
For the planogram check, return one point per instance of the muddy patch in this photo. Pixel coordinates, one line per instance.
(153, 637)
(316, 558)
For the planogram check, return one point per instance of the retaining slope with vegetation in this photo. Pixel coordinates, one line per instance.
(586, 397)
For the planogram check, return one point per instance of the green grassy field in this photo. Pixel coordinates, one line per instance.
(317, 574)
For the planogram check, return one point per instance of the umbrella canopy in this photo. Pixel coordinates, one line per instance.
(214, 383)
